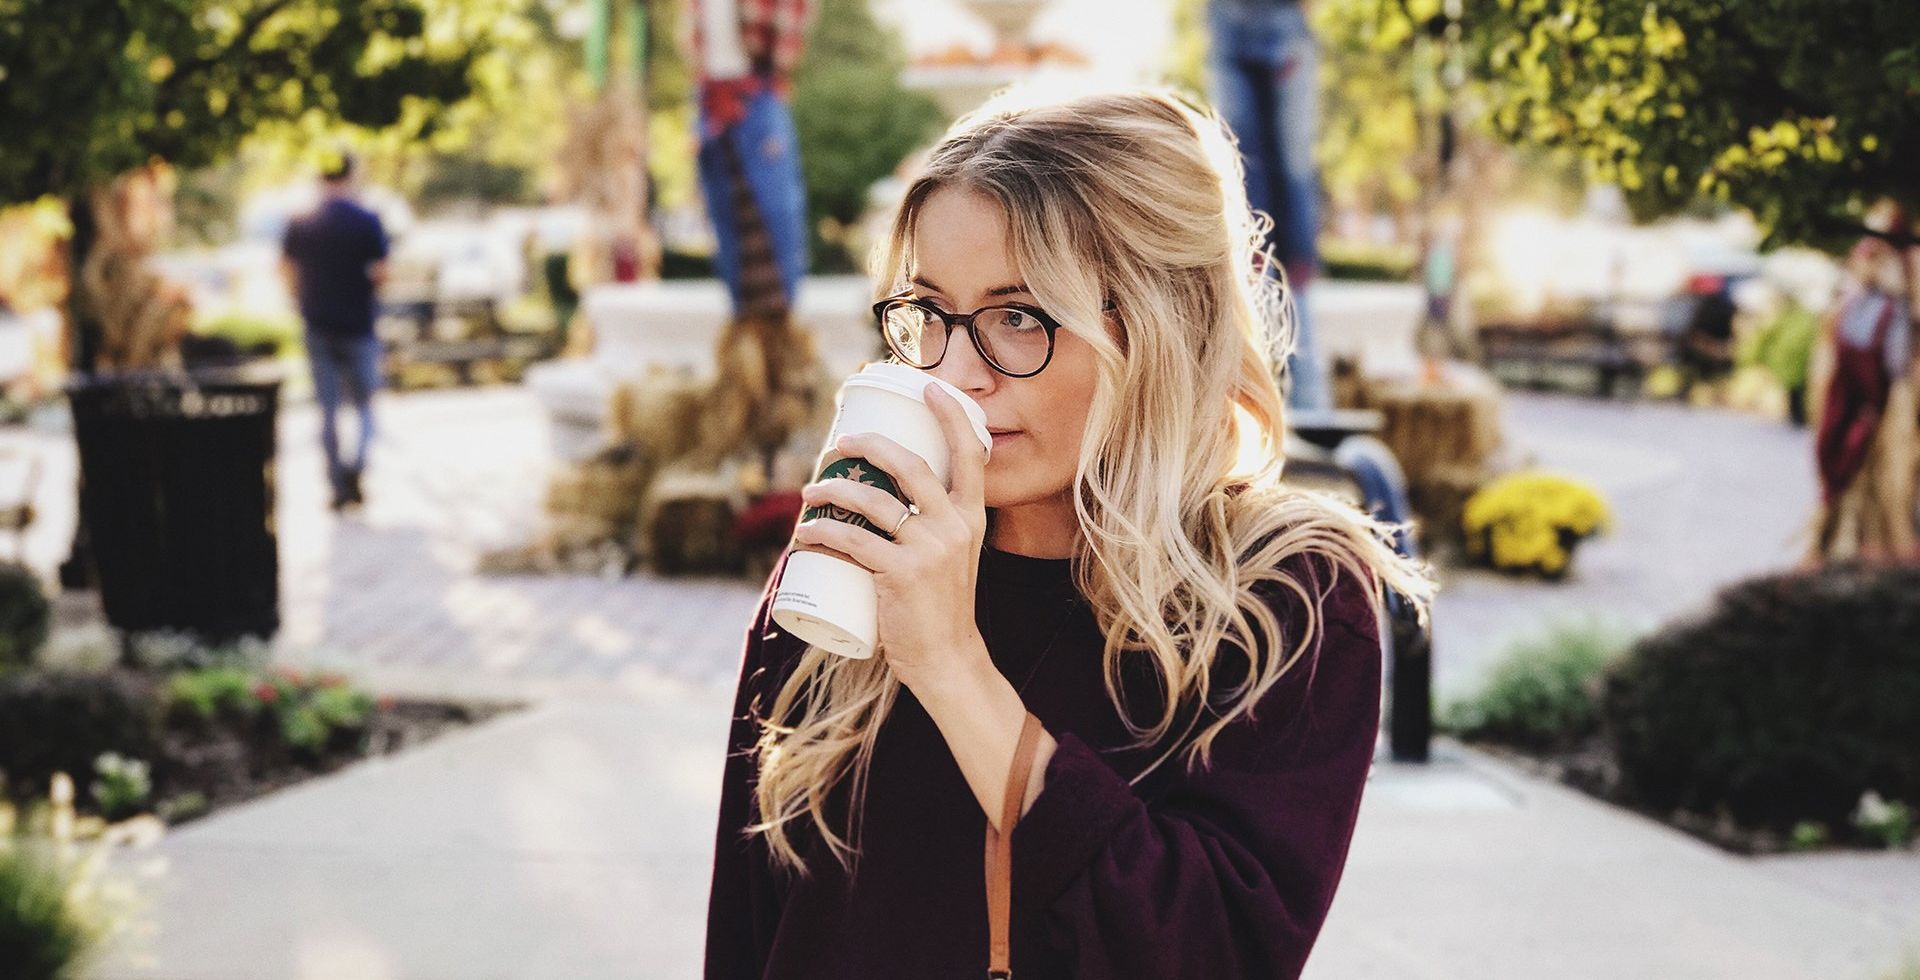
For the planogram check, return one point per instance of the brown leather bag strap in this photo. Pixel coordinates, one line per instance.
(1000, 854)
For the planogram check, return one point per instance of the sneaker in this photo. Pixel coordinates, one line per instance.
(353, 488)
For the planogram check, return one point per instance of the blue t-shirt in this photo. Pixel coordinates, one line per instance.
(331, 248)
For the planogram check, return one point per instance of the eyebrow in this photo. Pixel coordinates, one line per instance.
(1007, 290)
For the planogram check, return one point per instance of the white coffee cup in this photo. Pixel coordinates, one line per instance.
(826, 600)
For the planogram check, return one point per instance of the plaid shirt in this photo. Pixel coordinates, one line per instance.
(773, 33)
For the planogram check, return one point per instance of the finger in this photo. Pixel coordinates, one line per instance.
(968, 456)
(907, 470)
(843, 499)
(864, 546)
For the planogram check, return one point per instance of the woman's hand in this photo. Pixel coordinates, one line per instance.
(925, 576)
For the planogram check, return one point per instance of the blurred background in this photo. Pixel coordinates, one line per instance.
(1613, 303)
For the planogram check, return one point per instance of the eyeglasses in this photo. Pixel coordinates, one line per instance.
(1014, 339)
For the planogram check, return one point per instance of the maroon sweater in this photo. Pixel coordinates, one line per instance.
(1221, 873)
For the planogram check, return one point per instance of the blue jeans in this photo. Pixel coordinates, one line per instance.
(769, 152)
(1264, 67)
(350, 366)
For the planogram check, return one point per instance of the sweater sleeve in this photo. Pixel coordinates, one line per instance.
(743, 904)
(1230, 872)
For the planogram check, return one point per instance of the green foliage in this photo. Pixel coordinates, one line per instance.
(122, 786)
(43, 933)
(1797, 110)
(309, 713)
(59, 721)
(1891, 824)
(1909, 968)
(1784, 346)
(340, 706)
(1544, 692)
(1808, 835)
(855, 121)
(1342, 260)
(304, 713)
(24, 616)
(466, 177)
(1185, 62)
(93, 88)
(1382, 96)
(182, 807)
(211, 693)
(1792, 698)
(253, 331)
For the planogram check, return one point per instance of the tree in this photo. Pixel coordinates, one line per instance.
(855, 121)
(1800, 111)
(92, 89)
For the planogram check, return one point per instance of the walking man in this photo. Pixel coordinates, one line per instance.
(333, 257)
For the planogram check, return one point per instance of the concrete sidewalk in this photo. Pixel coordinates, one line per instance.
(572, 841)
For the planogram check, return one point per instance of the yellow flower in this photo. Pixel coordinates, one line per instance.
(1528, 521)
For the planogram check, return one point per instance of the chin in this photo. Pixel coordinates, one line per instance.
(1017, 488)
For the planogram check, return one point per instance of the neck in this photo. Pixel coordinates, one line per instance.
(1041, 529)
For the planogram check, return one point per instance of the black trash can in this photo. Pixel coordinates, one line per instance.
(176, 491)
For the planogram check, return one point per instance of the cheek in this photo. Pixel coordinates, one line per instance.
(1042, 461)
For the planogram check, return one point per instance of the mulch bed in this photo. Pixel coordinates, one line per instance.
(226, 767)
(198, 763)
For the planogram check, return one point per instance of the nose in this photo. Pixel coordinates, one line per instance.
(963, 367)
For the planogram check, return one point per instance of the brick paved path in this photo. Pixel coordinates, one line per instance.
(1701, 498)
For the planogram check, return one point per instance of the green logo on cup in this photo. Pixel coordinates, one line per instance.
(858, 470)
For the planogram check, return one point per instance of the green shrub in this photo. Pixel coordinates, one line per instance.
(312, 713)
(341, 706)
(255, 333)
(1785, 346)
(1367, 263)
(854, 121)
(1794, 696)
(24, 615)
(1888, 823)
(60, 721)
(1544, 692)
(43, 935)
(1808, 835)
(211, 693)
(122, 786)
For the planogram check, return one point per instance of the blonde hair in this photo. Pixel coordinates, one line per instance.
(1133, 197)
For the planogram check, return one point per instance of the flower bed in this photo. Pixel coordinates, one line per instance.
(1784, 718)
(184, 744)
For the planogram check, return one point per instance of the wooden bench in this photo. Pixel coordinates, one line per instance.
(1532, 353)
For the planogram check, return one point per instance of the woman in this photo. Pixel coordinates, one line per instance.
(1200, 645)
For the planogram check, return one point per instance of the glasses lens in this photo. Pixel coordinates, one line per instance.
(1014, 339)
(915, 335)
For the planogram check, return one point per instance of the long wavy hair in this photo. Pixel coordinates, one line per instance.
(1135, 198)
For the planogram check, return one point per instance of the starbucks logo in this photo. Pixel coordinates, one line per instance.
(858, 470)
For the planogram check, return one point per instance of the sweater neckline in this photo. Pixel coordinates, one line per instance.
(1025, 569)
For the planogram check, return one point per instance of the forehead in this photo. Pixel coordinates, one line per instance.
(961, 242)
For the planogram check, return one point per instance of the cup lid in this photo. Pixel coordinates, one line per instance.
(912, 382)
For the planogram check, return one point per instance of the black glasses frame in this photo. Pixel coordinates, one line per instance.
(952, 320)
